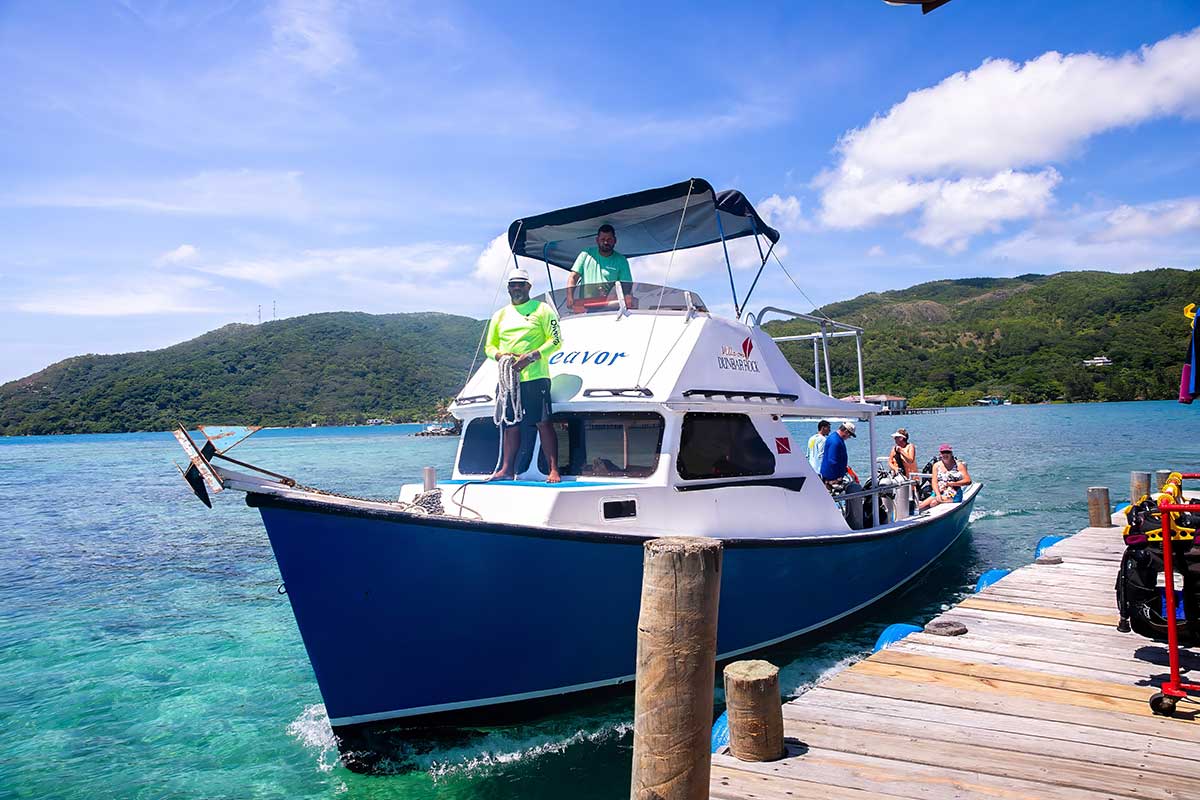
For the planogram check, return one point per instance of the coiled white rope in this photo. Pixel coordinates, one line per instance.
(509, 410)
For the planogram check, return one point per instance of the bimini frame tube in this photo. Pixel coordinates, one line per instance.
(816, 366)
(825, 353)
(862, 398)
(761, 266)
(546, 259)
(728, 267)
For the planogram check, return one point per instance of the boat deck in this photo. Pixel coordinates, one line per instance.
(1041, 698)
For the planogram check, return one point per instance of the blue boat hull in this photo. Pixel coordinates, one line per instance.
(398, 613)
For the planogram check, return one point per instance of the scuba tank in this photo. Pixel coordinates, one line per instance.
(925, 487)
(1140, 601)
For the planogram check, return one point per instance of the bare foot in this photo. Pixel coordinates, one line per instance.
(501, 476)
(553, 477)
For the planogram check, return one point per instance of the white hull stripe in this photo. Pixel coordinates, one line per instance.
(580, 687)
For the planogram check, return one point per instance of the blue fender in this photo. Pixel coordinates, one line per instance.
(1046, 542)
(894, 633)
(989, 577)
(720, 732)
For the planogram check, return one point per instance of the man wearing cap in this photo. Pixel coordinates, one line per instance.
(836, 460)
(601, 264)
(527, 330)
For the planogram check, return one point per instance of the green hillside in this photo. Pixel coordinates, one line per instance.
(952, 342)
(326, 368)
(941, 343)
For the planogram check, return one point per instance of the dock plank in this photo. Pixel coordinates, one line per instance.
(1041, 698)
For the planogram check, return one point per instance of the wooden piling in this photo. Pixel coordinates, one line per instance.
(1099, 509)
(1139, 486)
(1160, 477)
(676, 664)
(754, 710)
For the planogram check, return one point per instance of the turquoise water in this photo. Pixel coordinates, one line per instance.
(145, 651)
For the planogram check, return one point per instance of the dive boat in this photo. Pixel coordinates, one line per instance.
(671, 420)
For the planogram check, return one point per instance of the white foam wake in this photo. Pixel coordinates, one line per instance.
(484, 753)
(312, 729)
(825, 674)
(498, 749)
(977, 514)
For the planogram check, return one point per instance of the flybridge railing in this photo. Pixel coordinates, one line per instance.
(828, 329)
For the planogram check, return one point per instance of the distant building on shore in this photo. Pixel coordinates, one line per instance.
(894, 404)
(1098, 361)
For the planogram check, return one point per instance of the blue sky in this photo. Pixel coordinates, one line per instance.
(169, 167)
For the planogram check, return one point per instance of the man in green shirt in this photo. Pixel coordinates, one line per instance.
(601, 264)
(529, 330)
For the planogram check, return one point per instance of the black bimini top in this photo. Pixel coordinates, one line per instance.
(646, 223)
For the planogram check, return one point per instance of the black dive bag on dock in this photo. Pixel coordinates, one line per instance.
(1140, 601)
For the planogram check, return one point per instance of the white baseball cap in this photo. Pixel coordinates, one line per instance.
(518, 274)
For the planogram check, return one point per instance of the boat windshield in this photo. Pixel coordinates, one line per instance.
(610, 444)
(594, 298)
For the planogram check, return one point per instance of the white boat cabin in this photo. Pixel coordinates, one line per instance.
(666, 422)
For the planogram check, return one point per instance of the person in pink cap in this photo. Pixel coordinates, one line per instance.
(949, 477)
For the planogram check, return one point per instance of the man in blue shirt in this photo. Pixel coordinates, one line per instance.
(835, 460)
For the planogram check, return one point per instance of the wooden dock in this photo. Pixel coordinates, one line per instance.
(1042, 698)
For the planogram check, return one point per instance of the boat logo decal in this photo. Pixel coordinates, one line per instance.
(737, 360)
(783, 445)
(597, 357)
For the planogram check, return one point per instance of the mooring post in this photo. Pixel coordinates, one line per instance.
(676, 664)
(1160, 478)
(1099, 510)
(755, 710)
(429, 478)
(1139, 486)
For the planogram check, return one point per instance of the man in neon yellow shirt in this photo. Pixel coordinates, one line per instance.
(601, 264)
(527, 329)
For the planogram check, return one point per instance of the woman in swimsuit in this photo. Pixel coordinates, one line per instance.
(949, 475)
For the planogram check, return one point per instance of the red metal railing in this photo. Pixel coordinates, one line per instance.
(1174, 687)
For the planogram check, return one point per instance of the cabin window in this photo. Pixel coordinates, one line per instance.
(620, 509)
(612, 445)
(722, 446)
(481, 449)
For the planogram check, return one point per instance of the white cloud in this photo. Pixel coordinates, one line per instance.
(312, 34)
(972, 139)
(231, 193)
(127, 296)
(1159, 234)
(876, 251)
(1153, 219)
(783, 213)
(423, 261)
(961, 209)
(180, 255)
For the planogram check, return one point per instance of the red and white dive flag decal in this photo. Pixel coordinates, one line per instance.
(783, 445)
